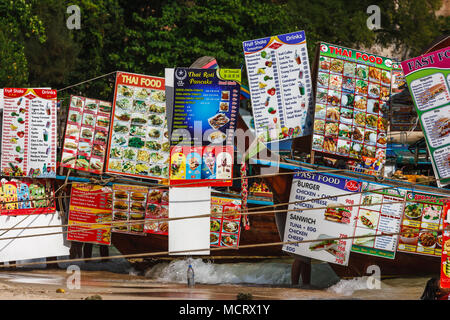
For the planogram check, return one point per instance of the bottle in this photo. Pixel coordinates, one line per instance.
(301, 88)
(190, 277)
(297, 58)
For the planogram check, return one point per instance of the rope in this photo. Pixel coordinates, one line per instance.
(82, 82)
(259, 245)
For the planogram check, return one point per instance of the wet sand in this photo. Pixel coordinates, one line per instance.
(43, 285)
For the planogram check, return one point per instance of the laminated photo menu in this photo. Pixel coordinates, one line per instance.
(29, 133)
(380, 211)
(90, 204)
(352, 106)
(139, 139)
(225, 226)
(422, 224)
(428, 79)
(201, 166)
(280, 86)
(86, 134)
(205, 107)
(25, 197)
(129, 204)
(157, 208)
(445, 256)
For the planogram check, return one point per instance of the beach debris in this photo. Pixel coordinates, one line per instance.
(94, 297)
(244, 296)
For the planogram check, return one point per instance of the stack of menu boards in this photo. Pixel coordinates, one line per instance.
(280, 86)
(86, 134)
(27, 196)
(29, 133)
(352, 106)
(428, 79)
(138, 143)
(225, 222)
(203, 119)
(90, 214)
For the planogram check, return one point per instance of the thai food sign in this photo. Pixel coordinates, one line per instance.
(139, 140)
(225, 222)
(428, 79)
(29, 133)
(352, 106)
(280, 86)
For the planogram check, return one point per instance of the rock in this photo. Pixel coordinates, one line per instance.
(94, 297)
(244, 296)
(59, 290)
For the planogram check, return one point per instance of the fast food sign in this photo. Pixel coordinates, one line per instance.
(428, 78)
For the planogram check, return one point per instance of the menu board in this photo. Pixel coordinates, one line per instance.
(139, 140)
(201, 166)
(380, 211)
(29, 133)
(445, 257)
(428, 78)
(337, 221)
(398, 80)
(280, 86)
(225, 229)
(205, 107)
(86, 134)
(157, 208)
(26, 197)
(129, 204)
(423, 221)
(352, 106)
(90, 204)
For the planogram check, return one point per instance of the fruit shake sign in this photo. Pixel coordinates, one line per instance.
(29, 132)
(428, 79)
(321, 224)
(280, 86)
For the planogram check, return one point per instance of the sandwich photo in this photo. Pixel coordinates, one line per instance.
(82, 163)
(121, 195)
(71, 145)
(337, 214)
(432, 92)
(137, 196)
(137, 207)
(120, 216)
(442, 127)
(120, 205)
(324, 244)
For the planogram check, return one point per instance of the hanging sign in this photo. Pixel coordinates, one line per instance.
(86, 134)
(428, 79)
(29, 133)
(138, 143)
(225, 226)
(280, 86)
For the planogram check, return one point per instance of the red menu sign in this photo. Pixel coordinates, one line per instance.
(225, 227)
(29, 133)
(445, 257)
(86, 134)
(157, 208)
(90, 204)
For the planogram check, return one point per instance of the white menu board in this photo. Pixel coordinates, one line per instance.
(29, 132)
(322, 224)
(280, 86)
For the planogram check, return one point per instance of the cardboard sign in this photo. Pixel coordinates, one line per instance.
(90, 204)
(280, 86)
(138, 144)
(86, 134)
(29, 133)
(428, 79)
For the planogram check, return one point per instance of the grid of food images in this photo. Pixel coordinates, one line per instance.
(422, 224)
(351, 109)
(139, 144)
(86, 134)
(225, 226)
(129, 204)
(157, 208)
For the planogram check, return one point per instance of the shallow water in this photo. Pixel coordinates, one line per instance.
(269, 279)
